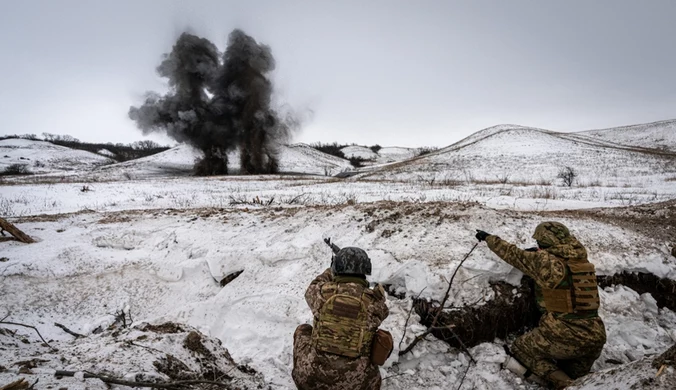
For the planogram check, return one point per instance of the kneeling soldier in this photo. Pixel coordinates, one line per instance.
(337, 352)
(570, 335)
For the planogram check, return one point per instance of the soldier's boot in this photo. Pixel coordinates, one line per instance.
(559, 379)
(514, 366)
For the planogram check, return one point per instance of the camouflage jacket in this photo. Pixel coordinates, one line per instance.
(547, 267)
(561, 334)
(325, 371)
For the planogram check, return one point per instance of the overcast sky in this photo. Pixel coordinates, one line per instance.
(405, 73)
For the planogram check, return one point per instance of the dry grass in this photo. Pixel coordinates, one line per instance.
(543, 193)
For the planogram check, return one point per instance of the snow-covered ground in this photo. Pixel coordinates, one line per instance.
(44, 157)
(165, 266)
(158, 246)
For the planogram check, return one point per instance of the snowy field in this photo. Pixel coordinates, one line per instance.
(155, 246)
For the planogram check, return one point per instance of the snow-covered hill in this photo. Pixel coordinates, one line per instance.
(384, 155)
(529, 156)
(45, 157)
(301, 158)
(359, 152)
(296, 158)
(59, 162)
(656, 135)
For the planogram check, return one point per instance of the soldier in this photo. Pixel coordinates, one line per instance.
(335, 354)
(570, 335)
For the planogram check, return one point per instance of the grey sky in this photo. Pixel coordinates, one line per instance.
(407, 73)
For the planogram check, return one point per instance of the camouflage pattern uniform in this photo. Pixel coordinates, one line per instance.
(316, 370)
(568, 342)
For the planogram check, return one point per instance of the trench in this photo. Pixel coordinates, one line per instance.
(513, 311)
(662, 289)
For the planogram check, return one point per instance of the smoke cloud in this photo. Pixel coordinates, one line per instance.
(218, 103)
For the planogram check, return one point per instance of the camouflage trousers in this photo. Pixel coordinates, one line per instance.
(568, 345)
(314, 370)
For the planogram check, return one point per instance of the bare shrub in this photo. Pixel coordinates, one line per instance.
(357, 162)
(543, 193)
(425, 150)
(568, 175)
(333, 149)
(16, 169)
(503, 178)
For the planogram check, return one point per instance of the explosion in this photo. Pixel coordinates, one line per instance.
(218, 103)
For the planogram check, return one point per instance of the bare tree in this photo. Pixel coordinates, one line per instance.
(568, 175)
(145, 144)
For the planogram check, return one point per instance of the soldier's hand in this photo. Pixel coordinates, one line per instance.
(481, 235)
(533, 249)
(379, 290)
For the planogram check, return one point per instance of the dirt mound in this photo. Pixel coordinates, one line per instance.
(152, 354)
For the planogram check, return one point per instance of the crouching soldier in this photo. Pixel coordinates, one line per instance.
(570, 335)
(345, 346)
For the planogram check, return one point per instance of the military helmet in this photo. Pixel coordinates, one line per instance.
(351, 261)
(550, 233)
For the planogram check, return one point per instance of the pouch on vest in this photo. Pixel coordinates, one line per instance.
(382, 347)
(342, 327)
(584, 286)
(557, 300)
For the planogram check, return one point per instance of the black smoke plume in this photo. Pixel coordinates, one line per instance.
(218, 103)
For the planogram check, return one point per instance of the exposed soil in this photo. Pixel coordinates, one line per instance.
(208, 363)
(513, 311)
(667, 358)
(173, 368)
(167, 327)
(656, 220)
(193, 342)
(662, 289)
(230, 278)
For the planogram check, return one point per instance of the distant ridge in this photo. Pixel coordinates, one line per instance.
(526, 155)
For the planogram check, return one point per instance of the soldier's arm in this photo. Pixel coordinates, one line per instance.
(313, 294)
(380, 307)
(546, 270)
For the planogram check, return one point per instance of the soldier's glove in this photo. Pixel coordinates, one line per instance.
(481, 235)
(533, 249)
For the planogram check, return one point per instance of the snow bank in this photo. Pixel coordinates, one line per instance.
(165, 265)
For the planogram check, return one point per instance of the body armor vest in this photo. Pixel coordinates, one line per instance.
(342, 327)
(577, 295)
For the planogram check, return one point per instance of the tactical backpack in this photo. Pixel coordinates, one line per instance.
(342, 326)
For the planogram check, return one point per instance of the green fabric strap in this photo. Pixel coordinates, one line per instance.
(580, 315)
(351, 279)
